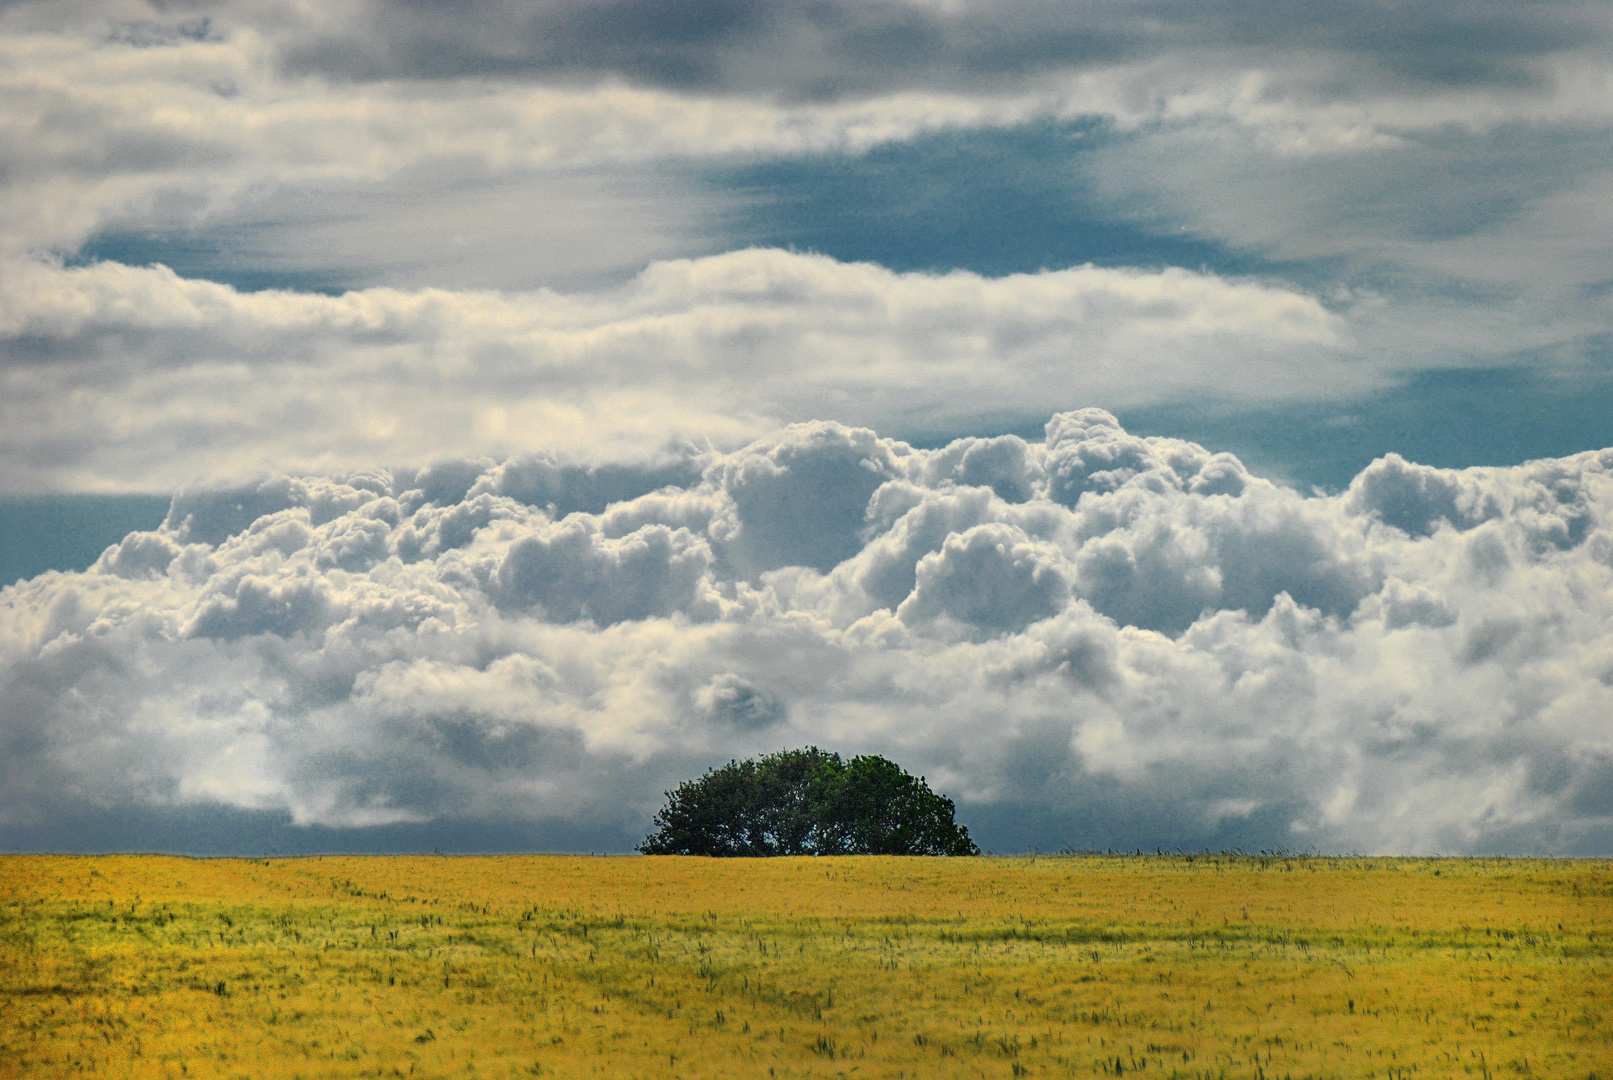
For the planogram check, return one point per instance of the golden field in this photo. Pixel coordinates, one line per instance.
(1159, 966)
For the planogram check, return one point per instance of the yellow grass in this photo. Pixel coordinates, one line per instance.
(857, 967)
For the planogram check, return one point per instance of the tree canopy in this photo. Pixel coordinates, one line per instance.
(807, 802)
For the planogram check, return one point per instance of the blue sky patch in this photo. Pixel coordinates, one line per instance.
(995, 202)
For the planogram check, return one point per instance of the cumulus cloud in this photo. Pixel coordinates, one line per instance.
(126, 376)
(597, 560)
(1096, 639)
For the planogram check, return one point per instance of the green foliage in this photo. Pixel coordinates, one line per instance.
(807, 802)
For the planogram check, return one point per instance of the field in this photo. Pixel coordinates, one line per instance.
(1159, 966)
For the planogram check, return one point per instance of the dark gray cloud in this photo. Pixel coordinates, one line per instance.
(992, 577)
(1458, 44)
(1095, 640)
(803, 505)
(571, 573)
(793, 49)
(820, 49)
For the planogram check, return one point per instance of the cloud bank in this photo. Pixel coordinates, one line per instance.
(137, 378)
(1350, 196)
(1096, 639)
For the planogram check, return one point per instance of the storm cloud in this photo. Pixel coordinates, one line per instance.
(1088, 640)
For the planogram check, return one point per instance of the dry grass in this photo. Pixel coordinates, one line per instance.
(858, 967)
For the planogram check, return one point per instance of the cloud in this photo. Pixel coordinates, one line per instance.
(730, 699)
(992, 576)
(128, 376)
(129, 115)
(1436, 175)
(810, 50)
(572, 573)
(1095, 639)
(597, 560)
(166, 128)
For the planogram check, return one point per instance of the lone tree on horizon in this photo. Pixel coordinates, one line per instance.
(807, 802)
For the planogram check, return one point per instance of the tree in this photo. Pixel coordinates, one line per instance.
(807, 802)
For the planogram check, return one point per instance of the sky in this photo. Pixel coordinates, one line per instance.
(1159, 424)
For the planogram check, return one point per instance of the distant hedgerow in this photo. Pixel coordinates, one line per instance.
(807, 802)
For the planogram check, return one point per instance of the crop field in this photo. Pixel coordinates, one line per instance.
(1158, 966)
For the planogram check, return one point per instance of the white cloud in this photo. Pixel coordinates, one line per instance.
(577, 583)
(1165, 646)
(1453, 237)
(138, 377)
(1443, 168)
(101, 131)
